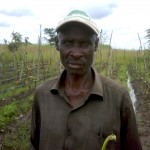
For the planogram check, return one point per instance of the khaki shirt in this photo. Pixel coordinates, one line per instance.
(106, 109)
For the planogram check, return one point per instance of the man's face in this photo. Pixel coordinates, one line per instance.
(76, 46)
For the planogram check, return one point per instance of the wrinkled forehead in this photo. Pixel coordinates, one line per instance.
(76, 26)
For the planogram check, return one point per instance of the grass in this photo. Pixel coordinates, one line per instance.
(18, 130)
(8, 113)
(18, 139)
(11, 111)
(13, 90)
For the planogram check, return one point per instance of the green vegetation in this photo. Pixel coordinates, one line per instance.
(8, 113)
(18, 138)
(22, 70)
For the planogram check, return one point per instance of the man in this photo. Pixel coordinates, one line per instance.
(78, 110)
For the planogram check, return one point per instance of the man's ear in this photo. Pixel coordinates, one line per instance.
(56, 43)
(96, 43)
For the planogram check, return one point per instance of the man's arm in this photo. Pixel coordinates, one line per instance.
(129, 133)
(35, 126)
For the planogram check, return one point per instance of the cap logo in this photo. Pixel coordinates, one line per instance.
(78, 16)
(77, 13)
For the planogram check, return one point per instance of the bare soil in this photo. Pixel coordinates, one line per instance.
(142, 92)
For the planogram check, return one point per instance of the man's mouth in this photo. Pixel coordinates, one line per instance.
(75, 65)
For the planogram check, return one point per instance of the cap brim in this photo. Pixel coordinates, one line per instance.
(79, 20)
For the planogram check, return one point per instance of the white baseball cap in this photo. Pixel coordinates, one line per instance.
(78, 16)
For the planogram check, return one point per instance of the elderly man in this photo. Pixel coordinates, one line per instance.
(79, 109)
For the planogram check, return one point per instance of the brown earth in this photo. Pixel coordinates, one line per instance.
(142, 92)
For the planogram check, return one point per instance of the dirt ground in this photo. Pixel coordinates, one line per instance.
(142, 92)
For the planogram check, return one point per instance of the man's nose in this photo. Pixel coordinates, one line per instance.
(76, 53)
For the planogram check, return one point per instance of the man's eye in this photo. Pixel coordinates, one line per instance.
(85, 44)
(68, 43)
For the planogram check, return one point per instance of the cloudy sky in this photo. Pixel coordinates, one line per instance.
(126, 18)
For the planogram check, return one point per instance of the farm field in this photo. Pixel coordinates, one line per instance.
(22, 70)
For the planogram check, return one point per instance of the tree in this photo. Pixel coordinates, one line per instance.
(148, 36)
(5, 41)
(15, 42)
(16, 37)
(26, 40)
(51, 33)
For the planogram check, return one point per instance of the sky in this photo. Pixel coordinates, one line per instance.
(124, 18)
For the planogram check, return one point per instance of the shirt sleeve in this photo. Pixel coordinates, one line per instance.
(129, 133)
(35, 126)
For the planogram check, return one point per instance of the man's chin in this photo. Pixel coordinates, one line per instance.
(76, 71)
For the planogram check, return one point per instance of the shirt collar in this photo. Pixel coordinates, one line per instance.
(96, 89)
(57, 87)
